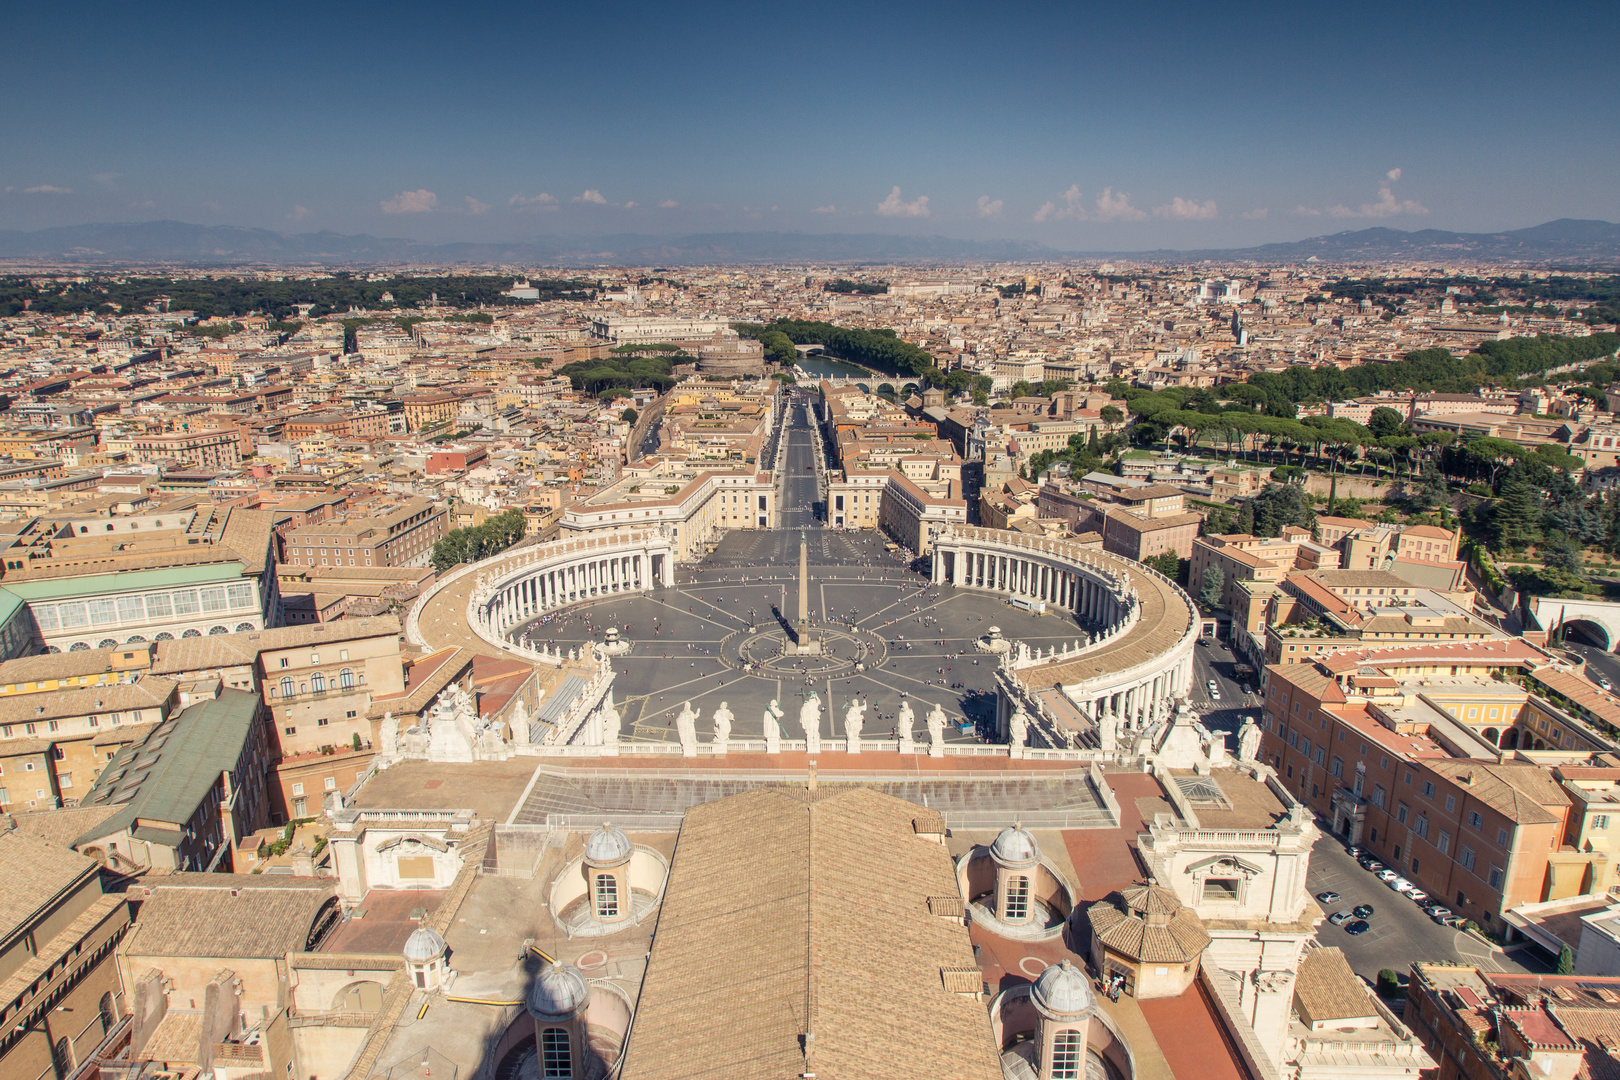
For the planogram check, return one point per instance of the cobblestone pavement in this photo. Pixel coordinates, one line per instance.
(914, 639)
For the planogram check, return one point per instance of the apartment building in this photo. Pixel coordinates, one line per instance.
(1407, 761)
(912, 517)
(220, 448)
(1251, 568)
(378, 533)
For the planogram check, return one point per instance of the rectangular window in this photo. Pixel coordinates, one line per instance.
(1400, 813)
(1502, 837)
(1475, 820)
(103, 612)
(1221, 890)
(1066, 1063)
(607, 896)
(1338, 767)
(131, 609)
(240, 595)
(1600, 821)
(298, 789)
(554, 1059)
(158, 606)
(1017, 898)
(1422, 826)
(1443, 842)
(1494, 878)
(1378, 797)
(1465, 856)
(72, 615)
(1451, 803)
(1428, 790)
(185, 601)
(45, 615)
(213, 598)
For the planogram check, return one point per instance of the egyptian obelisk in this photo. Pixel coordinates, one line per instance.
(807, 643)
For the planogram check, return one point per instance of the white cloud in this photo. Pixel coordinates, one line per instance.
(667, 204)
(106, 178)
(541, 199)
(1072, 208)
(988, 207)
(300, 213)
(1386, 206)
(1179, 209)
(419, 201)
(47, 189)
(1111, 207)
(591, 195)
(1254, 215)
(828, 209)
(894, 207)
(474, 206)
(631, 205)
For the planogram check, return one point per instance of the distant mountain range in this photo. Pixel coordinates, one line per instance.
(1565, 241)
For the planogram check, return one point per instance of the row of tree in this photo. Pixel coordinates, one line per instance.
(476, 542)
(627, 371)
(223, 296)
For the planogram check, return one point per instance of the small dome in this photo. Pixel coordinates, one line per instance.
(423, 945)
(1016, 848)
(559, 990)
(607, 846)
(1063, 990)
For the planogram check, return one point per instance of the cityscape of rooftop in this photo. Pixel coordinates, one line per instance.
(572, 544)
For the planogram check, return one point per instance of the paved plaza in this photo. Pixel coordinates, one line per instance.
(888, 634)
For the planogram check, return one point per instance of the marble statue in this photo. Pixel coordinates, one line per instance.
(520, 724)
(610, 721)
(1108, 731)
(810, 721)
(722, 728)
(773, 727)
(905, 719)
(1248, 740)
(936, 732)
(388, 741)
(854, 722)
(1017, 732)
(686, 730)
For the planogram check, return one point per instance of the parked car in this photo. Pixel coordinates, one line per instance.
(1419, 896)
(1329, 897)
(1357, 928)
(1440, 914)
(1339, 918)
(1214, 690)
(1355, 852)
(1363, 911)
(1386, 875)
(1604, 683)
(1401, 885)
(1204, 641)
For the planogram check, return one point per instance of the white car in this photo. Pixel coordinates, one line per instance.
(1214, 690)
(1418, 896)
(1401, 885)
(1386, 875)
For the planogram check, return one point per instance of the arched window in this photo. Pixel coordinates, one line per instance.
(192, 633)
(286, 686)
(79, 646)
(1066, 1063)
(554, 1061)
(109, 1012)
(215, 631)
(317, 682)
(1017, 899)
(107, 643)
(62, 1054)
(244, 628)
(136, 639)
(346, 679)
(607, 896)
(164, 636)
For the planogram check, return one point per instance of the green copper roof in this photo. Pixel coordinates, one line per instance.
(123, 581)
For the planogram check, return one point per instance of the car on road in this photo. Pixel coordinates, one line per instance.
(1386, 875)
(1419, 896)
(1604, 683)
(1204, 641)
(1355, 852)
(1214, 690)
(1339, 918)
(1401, 885)
(1370, 864)
(1439, 914)
(1357, 928)
(1329, 897)
(1363, 911)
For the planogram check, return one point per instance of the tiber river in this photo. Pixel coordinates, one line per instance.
(826, 365)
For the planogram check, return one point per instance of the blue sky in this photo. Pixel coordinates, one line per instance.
(1123, 126)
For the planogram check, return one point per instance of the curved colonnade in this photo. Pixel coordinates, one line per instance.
(1140, 653)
